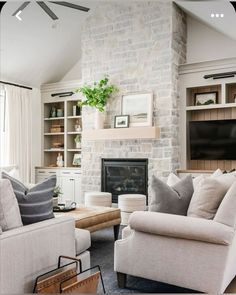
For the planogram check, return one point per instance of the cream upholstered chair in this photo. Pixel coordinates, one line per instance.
(30, 250)
(194, 253)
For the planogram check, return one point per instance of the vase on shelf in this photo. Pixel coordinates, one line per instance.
(99, 119)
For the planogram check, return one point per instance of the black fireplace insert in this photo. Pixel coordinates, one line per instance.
(125, 176)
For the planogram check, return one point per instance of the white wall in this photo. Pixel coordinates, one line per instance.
(74, 73)
(205, 43)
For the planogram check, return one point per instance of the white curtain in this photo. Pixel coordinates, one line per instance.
(3, 150)
(19, 130)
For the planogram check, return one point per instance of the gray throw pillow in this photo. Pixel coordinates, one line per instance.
(36, 204)
(171, 199)
(9, 210)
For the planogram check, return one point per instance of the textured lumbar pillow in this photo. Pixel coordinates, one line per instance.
(207, 198)
(9, 210)
(174, 199)
(36, 204)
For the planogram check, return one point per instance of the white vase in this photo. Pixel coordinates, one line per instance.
(99, 119)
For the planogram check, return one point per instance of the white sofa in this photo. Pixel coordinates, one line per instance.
(194, 253)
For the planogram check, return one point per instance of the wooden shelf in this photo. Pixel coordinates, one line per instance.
(58, 133)
(55, 118)
(74, 132)
(210, 107)
(74, 117)
(54, 150)
(120, 134)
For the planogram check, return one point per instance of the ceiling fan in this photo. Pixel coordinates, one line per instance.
(234, 4)
(49, 12)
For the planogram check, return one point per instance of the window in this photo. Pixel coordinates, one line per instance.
(2, 127)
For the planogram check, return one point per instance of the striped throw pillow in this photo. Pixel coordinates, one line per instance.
(36, 203)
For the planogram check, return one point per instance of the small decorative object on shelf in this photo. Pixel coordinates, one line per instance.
(77, 160)
(205, 98)
(121, 121)
(57, 145)
(53, 112)
(139, 107)
(60, 113)
(76, 110)
(57, 128)
(59, 160)
(77, 126)
(78, 141)
(97, 96)
(235, 97)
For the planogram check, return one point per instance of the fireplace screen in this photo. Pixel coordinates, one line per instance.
(124, 176)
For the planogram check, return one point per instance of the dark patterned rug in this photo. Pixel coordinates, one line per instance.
(102, 253)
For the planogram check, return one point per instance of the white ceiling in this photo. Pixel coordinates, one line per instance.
(202, 10)
(33, 51)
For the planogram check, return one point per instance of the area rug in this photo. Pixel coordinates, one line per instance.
(102, 253)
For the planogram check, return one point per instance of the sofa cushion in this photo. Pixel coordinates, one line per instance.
(207, 198)
(36, 204)
(0, 230)
(82, 240)
(9, 210)
(173, 200)
(226, 212)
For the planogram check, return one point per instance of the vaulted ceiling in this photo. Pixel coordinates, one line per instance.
(202, 10)
(39, 50)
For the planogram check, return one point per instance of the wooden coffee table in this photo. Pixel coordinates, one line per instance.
(96, 218)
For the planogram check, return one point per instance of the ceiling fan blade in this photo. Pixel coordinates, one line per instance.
(234, 4)
(47, 10)
(21, 7)
(71, 5)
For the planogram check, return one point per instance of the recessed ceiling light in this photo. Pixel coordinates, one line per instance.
(212, 15)
(222, 15)
(217, 15)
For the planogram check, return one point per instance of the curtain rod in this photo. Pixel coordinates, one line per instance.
(17, 85)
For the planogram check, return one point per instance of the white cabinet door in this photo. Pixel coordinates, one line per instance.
(78, 196)
(68, 189)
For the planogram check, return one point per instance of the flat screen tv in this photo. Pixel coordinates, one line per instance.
(212, 140)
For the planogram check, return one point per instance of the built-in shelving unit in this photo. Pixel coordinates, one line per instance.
(192, 83)
(61, 118)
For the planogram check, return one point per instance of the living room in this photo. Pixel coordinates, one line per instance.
(118, 118)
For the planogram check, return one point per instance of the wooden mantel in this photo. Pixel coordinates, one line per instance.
(122, 133)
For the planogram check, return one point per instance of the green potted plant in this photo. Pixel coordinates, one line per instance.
(78, 141)
(56, 193)
(97, 95)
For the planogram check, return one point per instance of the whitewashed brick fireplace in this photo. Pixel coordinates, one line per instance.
(140, 45)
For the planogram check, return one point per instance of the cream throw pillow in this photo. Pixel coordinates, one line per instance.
(226, 213)
(206, 198)
(9, 210)
(174, 179)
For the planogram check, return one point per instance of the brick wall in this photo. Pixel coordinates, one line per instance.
(140, 45)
